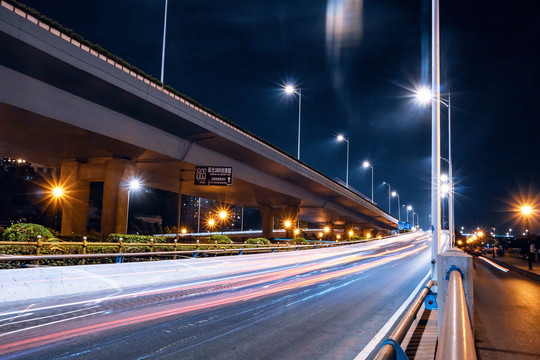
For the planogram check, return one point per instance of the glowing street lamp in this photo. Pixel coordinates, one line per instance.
(409, 208)
(290, 90)
(346, 139)
(366, 165)
(133, 185)
(389, 195)
(223, 215)
(211, 223)
(526, 211)
(58, 192)
(351, 233)
(395, 194)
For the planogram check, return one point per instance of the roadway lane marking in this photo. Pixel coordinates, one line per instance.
(386, 328)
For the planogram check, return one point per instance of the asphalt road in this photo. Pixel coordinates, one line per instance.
(507, 314)
(323, 304)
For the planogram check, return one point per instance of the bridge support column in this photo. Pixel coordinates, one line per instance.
(118, 173)
(75, 203)
(268, 215)
(267, 219)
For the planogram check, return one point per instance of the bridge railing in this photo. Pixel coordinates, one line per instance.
(456, 339)
(49, 250)
(387, 351)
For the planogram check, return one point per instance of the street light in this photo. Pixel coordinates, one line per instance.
(289, 89)
(134, 185)
(58, 192)
(346, 139)
(389, 195)
(395, 194)
(210, 224)
(424, 95)
(163, 47)
(223, 214)
(409, 208)
(366, 164)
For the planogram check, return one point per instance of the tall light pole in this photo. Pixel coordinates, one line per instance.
(395, 194)
(346, 139)
(409, 208)
(163, 49)
(366, 164)
(389, 195)
(134, 185)
(526, 211)
(450, 178)
(435, 141)
(289, 89)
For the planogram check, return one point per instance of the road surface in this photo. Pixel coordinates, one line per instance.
(507, 314)
(315, 304)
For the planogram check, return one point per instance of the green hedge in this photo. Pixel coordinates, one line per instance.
(115, 237)
(26, 232)
(299, 241)
(221, 239)
(253, 241)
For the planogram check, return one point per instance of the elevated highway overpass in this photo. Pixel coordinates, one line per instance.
(65, 105)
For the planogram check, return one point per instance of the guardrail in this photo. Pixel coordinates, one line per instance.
(456, 340)
(192, 250)
(387, 351)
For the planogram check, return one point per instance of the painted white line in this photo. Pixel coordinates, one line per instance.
(386, 328)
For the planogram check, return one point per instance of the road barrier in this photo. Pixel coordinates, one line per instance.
(191, 250)
(456, 340)
(388, 349)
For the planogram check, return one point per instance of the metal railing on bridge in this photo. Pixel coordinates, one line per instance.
(456, 340)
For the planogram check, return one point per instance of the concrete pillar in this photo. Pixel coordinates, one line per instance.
(267, 219)
(268, 215)
(75, 201)
(114, 214)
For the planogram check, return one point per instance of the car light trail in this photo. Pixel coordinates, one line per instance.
(494, 264)
(289, 280)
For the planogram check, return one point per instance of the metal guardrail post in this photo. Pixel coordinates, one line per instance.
(85, 244)
(456, 341)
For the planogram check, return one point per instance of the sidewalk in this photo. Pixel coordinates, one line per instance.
(515, 263)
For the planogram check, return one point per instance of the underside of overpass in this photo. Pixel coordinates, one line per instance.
(64, 107)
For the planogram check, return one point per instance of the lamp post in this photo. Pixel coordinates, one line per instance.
(526, 212)
(395, 194)
(389, 195)
(134, 185)
(289, 89)
(366, 164)
(222, 218)
(57, 195)
(409, 208)
(346, 139)
(163, 48)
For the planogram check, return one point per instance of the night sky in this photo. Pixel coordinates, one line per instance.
(234, 57)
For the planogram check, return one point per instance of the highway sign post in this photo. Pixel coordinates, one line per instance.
(213, 175)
